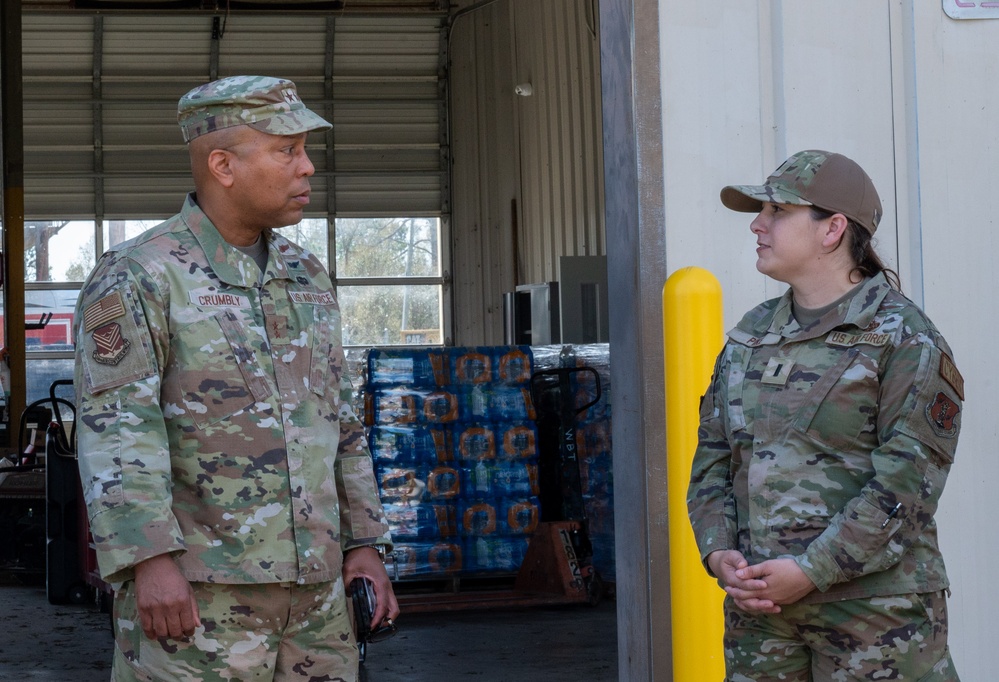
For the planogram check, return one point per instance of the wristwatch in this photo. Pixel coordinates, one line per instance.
(378, 548)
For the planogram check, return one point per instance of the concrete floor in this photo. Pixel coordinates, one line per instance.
(39, 641)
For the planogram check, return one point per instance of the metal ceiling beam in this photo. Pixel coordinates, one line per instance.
(216, 6)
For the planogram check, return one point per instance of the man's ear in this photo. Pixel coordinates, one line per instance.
(834, 229)
(219, 165)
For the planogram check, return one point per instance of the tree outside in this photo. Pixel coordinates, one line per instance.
(374, 257)
(376, 313)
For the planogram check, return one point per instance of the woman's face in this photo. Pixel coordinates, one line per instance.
(788, 241)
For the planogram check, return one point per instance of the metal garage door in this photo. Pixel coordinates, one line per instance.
(100, 95)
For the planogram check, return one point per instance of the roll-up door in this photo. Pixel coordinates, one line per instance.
(100, 95)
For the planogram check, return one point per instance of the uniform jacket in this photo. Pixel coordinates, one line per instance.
(214, 416)
(831, 444)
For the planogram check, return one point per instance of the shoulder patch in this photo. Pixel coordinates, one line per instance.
(103, 311)
(111, 347)
(948, 370)
(941, 414)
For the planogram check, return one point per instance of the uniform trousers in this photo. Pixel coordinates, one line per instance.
(898, 637)
(262, 632)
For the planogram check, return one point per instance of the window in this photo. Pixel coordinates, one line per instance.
(388, 275)
(389, 280)
(58, 254)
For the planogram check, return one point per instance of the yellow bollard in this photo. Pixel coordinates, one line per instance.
(692, 338)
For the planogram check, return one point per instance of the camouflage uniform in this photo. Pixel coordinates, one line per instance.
(830, 444)
(214, 414)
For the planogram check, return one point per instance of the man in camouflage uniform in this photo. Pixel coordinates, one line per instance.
(825, 440)
(228, 481)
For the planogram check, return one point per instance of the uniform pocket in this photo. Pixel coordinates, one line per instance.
(739, 387)
(358, 474)
(100, 457)
(216, 369)
(841, 408)
(128, 636)
(326, 367)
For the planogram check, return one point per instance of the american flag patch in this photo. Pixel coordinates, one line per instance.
(103, 311)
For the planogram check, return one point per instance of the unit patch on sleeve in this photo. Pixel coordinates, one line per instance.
(110, 345)
(113, 350)
(941, 414)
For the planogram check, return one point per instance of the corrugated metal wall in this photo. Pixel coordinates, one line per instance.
(528, 170)
(100, 95)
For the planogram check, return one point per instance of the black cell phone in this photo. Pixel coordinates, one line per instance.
(362, 594)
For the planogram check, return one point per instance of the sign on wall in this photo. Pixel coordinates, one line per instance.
(971, 9)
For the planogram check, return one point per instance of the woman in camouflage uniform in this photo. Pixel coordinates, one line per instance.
(825, 440)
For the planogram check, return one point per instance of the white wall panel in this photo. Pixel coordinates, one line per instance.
(954, 207)
(911, 95)
(747, 85)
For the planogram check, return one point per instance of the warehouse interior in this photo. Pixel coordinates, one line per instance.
(458, 202)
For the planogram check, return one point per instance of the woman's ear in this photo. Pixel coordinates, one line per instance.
(834, 229)
(220, 166)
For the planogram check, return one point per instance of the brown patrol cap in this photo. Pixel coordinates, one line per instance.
(271, 105)
(817, 178)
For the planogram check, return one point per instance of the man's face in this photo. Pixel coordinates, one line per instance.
(271, 177)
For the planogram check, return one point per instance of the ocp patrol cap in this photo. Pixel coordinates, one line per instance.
(271, 105)
(817, 178)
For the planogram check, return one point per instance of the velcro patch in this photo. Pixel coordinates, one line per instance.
(948, 370)
(213, 298)
(777, 371)
(941, 414)
(103, 311)
(311, 298)
(113, 349)
(868, 338)
(110, 346)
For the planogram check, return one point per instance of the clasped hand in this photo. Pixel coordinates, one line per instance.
(762, 587)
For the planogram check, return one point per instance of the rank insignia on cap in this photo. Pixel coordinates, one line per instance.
(941, 414)
(111, 346)
(103, 311)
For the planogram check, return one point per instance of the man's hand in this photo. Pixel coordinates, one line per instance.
(166, 603)
(784, 583)
(366, 562)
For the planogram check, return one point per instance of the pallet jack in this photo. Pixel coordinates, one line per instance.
(557, 567)
(559, 559)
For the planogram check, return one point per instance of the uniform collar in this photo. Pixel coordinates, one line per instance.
(231, 265)
(858, 311)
